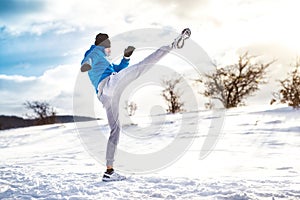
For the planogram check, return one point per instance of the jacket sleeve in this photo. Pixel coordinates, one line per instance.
(123, 64)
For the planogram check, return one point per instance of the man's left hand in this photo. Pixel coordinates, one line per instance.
(128, 51)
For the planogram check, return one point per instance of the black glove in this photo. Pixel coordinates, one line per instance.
(128, 51)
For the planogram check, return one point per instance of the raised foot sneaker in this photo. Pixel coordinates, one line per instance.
(112, 176)
(86, 66)
(179, 41)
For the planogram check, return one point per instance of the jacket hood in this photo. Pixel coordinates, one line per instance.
(93, 47)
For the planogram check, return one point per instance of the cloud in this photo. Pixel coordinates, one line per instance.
(185, 9)
(282, 53)
(111, 16)
(16, 78)
(55, 86)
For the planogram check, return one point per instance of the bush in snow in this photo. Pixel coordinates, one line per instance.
(42, 112)
(130, 107)
(290, 88)
(171, 94)
(232, 84)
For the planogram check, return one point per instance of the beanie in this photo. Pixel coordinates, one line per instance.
(102, 40)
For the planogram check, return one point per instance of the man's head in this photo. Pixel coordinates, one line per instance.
(102, 40)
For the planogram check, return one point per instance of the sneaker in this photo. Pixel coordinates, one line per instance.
(112, 176)
(86, 66)
(179, 41)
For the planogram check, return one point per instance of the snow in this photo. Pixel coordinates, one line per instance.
(255, 157)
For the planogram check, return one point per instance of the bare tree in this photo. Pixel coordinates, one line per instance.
(130, 107)
(172, 94)
(43, 112)
(290, 88)
(232, 84)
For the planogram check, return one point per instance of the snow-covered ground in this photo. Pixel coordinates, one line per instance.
(256, 157)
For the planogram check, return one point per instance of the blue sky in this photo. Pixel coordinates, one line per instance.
(43, 42)
(31, 55)
(8, 8)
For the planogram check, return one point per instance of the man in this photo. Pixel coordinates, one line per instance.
(109, 80)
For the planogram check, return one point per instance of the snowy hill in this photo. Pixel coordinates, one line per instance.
(255, 157)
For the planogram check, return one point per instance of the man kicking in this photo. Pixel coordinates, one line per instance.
(109, 80)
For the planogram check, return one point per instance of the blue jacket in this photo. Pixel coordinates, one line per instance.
(101, 67)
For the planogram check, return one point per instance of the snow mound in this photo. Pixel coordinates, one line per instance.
(256, 157)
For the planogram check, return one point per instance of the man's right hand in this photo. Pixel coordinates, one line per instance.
(86, 66)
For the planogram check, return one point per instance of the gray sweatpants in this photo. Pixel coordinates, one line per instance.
(110, 90)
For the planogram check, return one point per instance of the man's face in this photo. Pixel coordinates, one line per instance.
(107, 51)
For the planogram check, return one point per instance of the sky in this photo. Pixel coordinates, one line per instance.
(43, 42)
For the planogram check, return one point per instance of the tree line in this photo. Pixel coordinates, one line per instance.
(231, 85)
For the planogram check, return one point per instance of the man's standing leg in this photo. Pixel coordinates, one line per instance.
(110, 102)
(112, 113)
